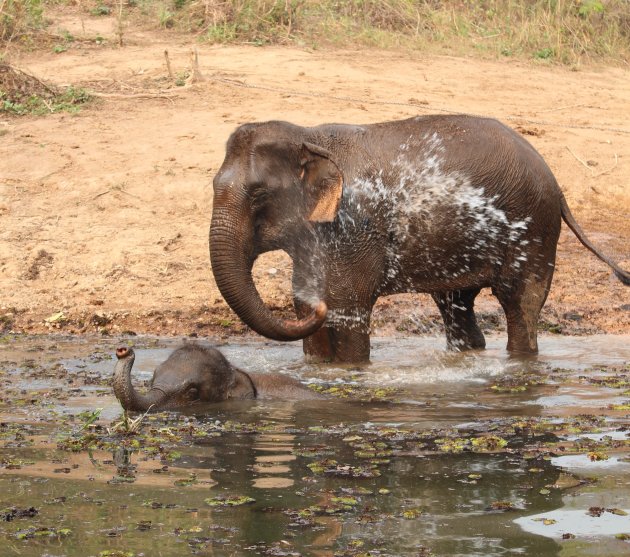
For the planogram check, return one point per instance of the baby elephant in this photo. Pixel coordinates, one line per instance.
(193, 374)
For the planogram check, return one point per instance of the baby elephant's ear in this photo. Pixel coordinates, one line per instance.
(323, 183)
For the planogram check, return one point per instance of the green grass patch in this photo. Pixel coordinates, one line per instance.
(557, 31)
(69, 100)
(565, 31)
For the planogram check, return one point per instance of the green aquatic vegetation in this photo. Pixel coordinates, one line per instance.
(508, 388)
(191, 530)
(325, 510)
(352, 439)
(331, 467)
(501, 506)
(603, 444)
(618, 512)
(120, 479)
(159, 505)
(488, 443)
(14, 463)
(520, 382)
(372, 450)
(229, 501)
(238, 427)
(452, 445)
(546, 521)
(411, 514)
(357, 491)
(611, 382)
(89, 417)
(78, 443)
(345, 501)
(186, 482)
(42, 532)
(320, 466)
(596, 456)
(599, 511)
(357, 392)
(173, 455)
(10, 514)
(313, 452)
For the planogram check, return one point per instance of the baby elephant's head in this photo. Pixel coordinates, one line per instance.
(191, 374)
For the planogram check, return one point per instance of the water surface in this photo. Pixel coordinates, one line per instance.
(429, 453)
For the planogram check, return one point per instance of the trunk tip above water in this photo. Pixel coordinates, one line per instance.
(124, 352)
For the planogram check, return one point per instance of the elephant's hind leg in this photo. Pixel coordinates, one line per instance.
(462, 330)
(522, 304)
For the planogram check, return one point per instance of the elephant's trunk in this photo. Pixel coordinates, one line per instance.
(232, 257)
(129, 398)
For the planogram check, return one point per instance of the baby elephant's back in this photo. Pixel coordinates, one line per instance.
(278, 386)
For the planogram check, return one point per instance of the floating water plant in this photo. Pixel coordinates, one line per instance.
(488, 443)
(229, 501)
(42, 532)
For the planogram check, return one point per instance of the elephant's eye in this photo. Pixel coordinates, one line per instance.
(259, 197)
(193, 393)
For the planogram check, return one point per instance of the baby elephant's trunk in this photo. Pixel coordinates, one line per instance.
(129, 398)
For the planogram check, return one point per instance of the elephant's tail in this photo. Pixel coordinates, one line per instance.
(567, 216)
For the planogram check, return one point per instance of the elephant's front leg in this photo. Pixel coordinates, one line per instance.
(344, 338)
(462, 330)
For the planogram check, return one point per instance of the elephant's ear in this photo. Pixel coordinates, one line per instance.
(323, 183)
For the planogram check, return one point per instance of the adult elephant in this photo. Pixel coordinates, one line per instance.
(441, 204)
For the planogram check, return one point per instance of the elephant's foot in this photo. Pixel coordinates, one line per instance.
(522, 308)
(522, 340)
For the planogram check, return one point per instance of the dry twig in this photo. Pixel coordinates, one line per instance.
(580, 160)
(168, 65)
(195, 72)
(608, 169)
(133, 95)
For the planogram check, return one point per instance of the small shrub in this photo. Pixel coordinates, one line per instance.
(101, 9)
(544, 53)
(19, 17)
(21, 93)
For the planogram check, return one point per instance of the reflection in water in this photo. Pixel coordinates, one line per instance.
(274, 454)
(557, 523)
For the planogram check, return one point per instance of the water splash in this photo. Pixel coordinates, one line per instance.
(438, 225)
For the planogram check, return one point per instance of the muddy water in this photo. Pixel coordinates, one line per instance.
(422, 452)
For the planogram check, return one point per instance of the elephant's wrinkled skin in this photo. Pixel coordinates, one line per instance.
(196, 374)
(441, 204)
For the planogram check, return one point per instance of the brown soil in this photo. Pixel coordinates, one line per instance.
(104, 214)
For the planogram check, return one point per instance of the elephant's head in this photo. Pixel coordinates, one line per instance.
(191, 374)
(274, 184)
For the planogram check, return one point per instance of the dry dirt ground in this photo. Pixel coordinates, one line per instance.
(104, 214)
